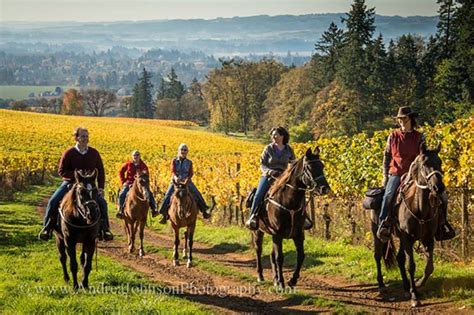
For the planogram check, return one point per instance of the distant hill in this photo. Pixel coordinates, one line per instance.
(222, 36)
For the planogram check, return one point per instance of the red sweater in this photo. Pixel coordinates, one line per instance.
(72, 160)
(129, 170)
(403, 148)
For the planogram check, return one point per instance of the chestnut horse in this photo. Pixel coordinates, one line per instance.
(136, 211)
(285, 213)
(79, 223)
(183, 214)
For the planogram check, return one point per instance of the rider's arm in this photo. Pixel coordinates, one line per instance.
(122, 171)
(64, 168)
(264, 161)
(173, 170)
(387, 156)
(101, 175)
(292, 156)
(191, 171)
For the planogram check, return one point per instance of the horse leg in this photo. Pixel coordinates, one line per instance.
(401, 258)
(190, 241)
(258, 241)
(62, 257)
(185, 249)
(378, 254)
(176, 244)
(299, 244)
(429, 246)
(71, 252)
(411, 269)
(126, 225)
(278, 249)
(133, 232)
(141, 227)
(88, 249)
(274, 267)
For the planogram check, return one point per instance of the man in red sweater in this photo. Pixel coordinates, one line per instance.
(127, 175)
(78, 157)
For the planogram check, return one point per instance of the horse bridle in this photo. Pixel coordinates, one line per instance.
(425, 177)
(83, 209)
(314, 182)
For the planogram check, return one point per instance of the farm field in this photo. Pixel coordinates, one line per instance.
(20, 92)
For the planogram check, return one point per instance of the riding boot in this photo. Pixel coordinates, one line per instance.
(105, 234)
(252, 222)
(47, 231)
(384, 231)
(154, 212)
(203, 207)
(164, 214)
(445, 230)
(120, 213)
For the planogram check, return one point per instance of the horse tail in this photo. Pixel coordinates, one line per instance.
(389, 254)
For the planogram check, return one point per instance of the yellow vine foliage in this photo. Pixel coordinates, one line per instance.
(32, 143)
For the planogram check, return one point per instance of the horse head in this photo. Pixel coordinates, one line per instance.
(86, 195)
(427, 171)
(181, 188)
(313, 172)
(142, 181)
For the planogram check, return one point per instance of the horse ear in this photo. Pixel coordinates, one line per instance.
(423, 147)
(316, 151)
(308, 153)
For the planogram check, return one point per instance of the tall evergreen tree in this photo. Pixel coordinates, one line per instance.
(141, 105)
(446, 33)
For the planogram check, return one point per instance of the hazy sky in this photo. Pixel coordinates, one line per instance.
(118, 10)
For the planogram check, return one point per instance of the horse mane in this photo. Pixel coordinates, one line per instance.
(286, 176)
(67, 204)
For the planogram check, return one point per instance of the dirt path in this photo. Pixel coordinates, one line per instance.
(232, 294)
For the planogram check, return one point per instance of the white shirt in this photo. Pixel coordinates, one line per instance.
(81, 152)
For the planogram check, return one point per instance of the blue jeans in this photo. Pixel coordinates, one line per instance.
(53, 206)
(123, 195)
(390, 190)
(197, 194)
(262, 188)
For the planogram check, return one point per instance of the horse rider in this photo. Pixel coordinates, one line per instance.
(402, 148)
(79, 157)
(127, 176)
(182, 170)
(273, 162)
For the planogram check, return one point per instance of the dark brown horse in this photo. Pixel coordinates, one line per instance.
(285, 213)
(136, 211)
(79, 223)
(183, 214)
(417, 216)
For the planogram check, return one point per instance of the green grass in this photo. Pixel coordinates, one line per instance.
(19, 92)
(31, 276)
(450, 280)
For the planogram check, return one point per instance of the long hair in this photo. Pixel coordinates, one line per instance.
(282, 131)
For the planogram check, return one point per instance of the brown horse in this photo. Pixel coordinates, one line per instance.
(285, 213)
(417, 216)
(79, 223)
(183, 214)
(136, 211)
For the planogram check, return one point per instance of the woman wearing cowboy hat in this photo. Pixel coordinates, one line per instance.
(402, 148)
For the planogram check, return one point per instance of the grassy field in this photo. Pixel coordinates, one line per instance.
(31, 277)
(19, 92)
(453, 281)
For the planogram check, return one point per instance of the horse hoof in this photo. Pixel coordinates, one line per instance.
(131, 250)
(292, 283)
(141, 253)
(175, 263)
(66, 279)
(260, 278)
(189, 264)
(415, 303)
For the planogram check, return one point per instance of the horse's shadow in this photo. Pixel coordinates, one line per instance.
(224, 248)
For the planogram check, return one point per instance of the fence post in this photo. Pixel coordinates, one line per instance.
(465, 224)
(238, 207)
(327, 220)
(164, 148)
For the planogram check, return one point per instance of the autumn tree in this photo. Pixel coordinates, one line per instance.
(97, 101)
(72, 103)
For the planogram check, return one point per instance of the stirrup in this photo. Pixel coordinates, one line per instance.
(445, 232)
(120, 215)
(107, 235)
(384, 231)
(154, 213)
